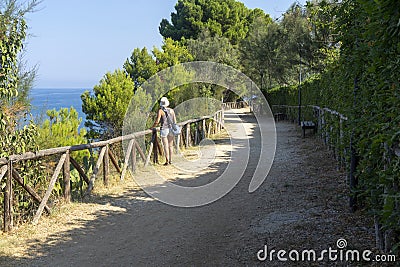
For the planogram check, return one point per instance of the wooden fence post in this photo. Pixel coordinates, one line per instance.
(209, 128)
(126, 160)
(222, 117)
(341, 138)
(320, 122)
(182, 137)
(155, 147)
(139, 149)
(352, 175)
(96, 170)
(67, 177)
(149, 154)
(114, 161)
(160, 148)
(49, 189)
(389, 235)
(133, 156)
(337, 141)
(79, 169)
(196, 133)
(204, 130)
(177, 143)
(215, 123)
(188, 135)
(199, 134)
(106, 165)
(8, 218)
(155, 151)
(219, 121)
(323, 126)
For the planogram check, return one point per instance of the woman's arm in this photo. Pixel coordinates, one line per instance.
(157, 121)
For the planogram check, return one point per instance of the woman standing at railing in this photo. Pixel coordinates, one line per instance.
(167, 136)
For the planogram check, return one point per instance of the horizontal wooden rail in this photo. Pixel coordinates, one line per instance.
(235, 105)
(61, 150)
(333, 112)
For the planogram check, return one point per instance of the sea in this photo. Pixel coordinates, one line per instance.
(43, 99)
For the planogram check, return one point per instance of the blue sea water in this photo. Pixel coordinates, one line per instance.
(43, 99)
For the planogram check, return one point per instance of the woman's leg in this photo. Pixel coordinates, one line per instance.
(170, 146)
(166, 148)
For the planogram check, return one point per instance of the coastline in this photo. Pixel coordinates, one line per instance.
(43, 99)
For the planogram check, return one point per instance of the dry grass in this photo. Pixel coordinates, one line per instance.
(64, 217)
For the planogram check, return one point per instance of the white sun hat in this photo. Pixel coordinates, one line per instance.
(164, 102)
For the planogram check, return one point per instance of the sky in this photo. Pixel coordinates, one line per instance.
(74, 43)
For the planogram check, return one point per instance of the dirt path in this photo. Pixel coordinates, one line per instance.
(301, 205)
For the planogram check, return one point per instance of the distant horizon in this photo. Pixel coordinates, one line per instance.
(47, 88)
(43, 99)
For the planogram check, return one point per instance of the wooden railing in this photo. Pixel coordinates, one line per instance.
(193, 131)
(235, 105)
(332, 127)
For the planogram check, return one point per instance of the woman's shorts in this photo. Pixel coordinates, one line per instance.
(165, 132)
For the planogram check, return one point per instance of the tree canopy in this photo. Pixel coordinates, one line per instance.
(106, 107)
(228, 18)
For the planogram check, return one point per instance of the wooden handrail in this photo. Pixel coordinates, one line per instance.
(61, 150)
(235, 105)
(333, 112)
